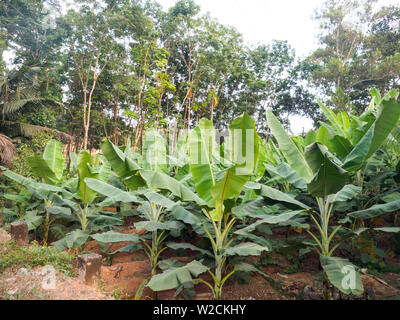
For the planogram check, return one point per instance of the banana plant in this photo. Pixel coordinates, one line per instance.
(49, 168)
(325, 178)
(355, 139)
(146, 190)
(47, 194)
(219, 182)
(88, 167)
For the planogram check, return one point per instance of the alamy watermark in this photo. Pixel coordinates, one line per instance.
(350, 276)
(236, 149)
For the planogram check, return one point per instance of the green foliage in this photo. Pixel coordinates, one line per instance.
(35, 255)
(27, 149)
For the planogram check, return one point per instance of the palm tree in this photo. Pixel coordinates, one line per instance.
(17, 89)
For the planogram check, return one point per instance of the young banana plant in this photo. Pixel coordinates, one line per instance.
(218, 179)
(152, 207)
(88, 167)
(147, 189)
(49, 168)
(325, 177)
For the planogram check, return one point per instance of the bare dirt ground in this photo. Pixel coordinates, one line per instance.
(44, 283)
(122, 278)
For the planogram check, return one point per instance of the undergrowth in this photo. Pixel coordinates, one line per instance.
(35, 255)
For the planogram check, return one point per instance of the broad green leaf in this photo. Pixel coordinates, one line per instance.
(245, 249)
(388, 229)
(330, 115)
(285, 172)
(376, 210)
(158, 199)
(386, 121)
(243, 148)
(324, 137)
(29, 183)
(116, 158)
(310, 138)
(180, 213)
(177, 246)
(135, 182)
(275, 194)
(155, 225)
(59, 210)
(54, 157)
(41, 169)
(172, 278)
(254, 208)
(341, 146)
(101, 221)
(16, 198)
(262, 158)
(242, 145)
(159, 180)
(261, 240)
(342, 274)
(343, 120)
(201, 143)
(391, 197)
(358, 155)
(73, 240)
(74, 161)
(33, 220)
(273, 219)
(112, 236)
(288, 148)
(86, 194)
(329, 177)
(112, 193)
(104, 172)
(348, 192)
(229, 186)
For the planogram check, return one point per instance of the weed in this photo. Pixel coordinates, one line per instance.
(120, 294)
(35, 255)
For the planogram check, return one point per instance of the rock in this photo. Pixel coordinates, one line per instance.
(49, 281)
(4, 236)
(11, 292)
(310, 294)
(23, 272)
(13, 279)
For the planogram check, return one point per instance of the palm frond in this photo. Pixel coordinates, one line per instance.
(14, 106)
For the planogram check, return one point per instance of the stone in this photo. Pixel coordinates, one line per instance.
(311, 294)
(49, 281)
(19, 233)
(23, 272)
(88, 268)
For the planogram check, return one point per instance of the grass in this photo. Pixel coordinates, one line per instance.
(35, 255)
